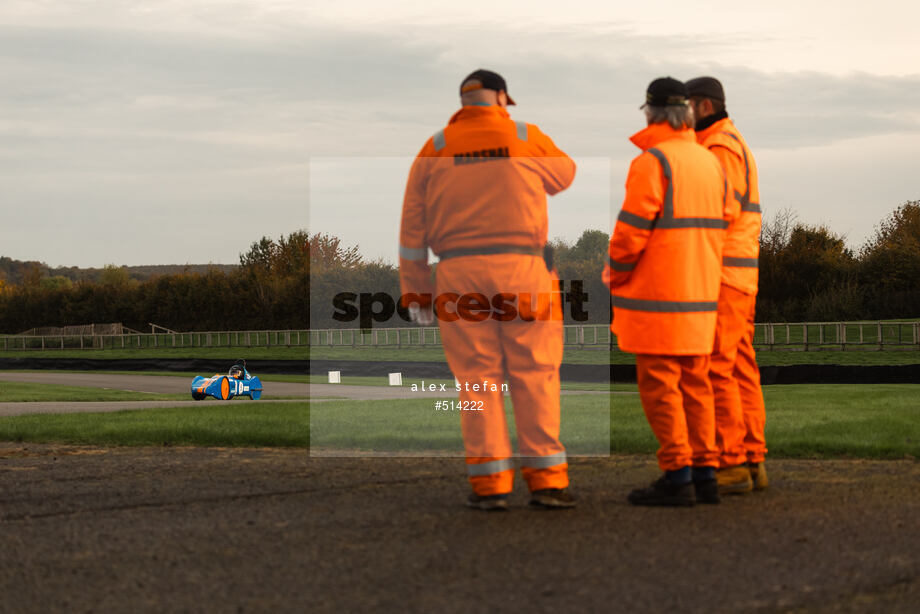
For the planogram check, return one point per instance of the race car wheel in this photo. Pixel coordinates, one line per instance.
(198, 396)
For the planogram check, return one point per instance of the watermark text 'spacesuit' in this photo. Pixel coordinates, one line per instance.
(473, 307)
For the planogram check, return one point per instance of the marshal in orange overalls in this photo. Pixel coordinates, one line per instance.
(664, 274)
(480, 184)
(740, 414)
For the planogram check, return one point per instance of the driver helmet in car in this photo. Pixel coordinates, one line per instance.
(236, 372)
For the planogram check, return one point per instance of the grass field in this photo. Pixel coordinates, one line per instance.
(803, 421)
(208, 424)
(812, 421)
(416, 426)
(24, 392)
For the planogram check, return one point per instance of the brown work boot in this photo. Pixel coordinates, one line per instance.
(734, 480)
(552, 499)
(759, 475)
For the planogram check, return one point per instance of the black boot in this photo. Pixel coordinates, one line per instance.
(706, 485)
(707, 491)
(664, 492)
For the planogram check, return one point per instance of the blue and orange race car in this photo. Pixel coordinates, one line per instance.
(237, 382)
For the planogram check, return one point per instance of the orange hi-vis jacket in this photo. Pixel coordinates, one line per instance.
(666, 249)
(481, 181)
(742, 241)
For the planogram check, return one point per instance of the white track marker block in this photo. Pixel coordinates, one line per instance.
(395, 379)
(335, 377)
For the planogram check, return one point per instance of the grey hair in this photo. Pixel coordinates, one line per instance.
(677, 116)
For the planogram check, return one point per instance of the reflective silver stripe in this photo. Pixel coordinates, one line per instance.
(496, 466)
(746, 205)
(438, 140)
(543, 462)
(692, 222)
(413, 253)
(616, 265)
(744, 199)
(667, 219)
(637, 304)
(521, 130)
(669, 191)
(634, 220)
(750, 263)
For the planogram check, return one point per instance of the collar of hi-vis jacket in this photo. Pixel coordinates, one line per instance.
(656, 133)
(479, 112)
(719, 126)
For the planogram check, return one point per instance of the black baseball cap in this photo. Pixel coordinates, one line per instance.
(706, 87)
(483, 79)
(666, 92)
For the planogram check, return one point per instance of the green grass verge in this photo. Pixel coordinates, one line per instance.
(415, 426)
(811, 421)
(25, 392)
(249, 424)
(803, 421)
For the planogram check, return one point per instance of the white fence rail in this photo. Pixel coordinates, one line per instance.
(874, 335)
(877, 335)
(204, 339)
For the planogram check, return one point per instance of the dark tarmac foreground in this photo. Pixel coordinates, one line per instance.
(87, 529)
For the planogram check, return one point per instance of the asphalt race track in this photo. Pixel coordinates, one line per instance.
(265, 530)
(137, 383)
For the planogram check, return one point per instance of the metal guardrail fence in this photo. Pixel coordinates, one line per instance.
(767, 336)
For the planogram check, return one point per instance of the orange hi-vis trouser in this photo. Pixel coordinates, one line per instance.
(529, 352)
(740, 413)
(677, 399)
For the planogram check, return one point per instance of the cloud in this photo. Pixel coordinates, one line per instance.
(181, 120)
(593, 97)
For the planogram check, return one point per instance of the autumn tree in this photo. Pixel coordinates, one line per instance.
(890, 264)
(580, 266)
(806, 272)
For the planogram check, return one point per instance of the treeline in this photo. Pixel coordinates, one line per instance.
(266, 291)
(15, 272)
(373, 287)
(808, 273)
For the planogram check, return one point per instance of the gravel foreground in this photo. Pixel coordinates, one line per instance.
(87, 529)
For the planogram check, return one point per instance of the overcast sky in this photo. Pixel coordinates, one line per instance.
(180, 132)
